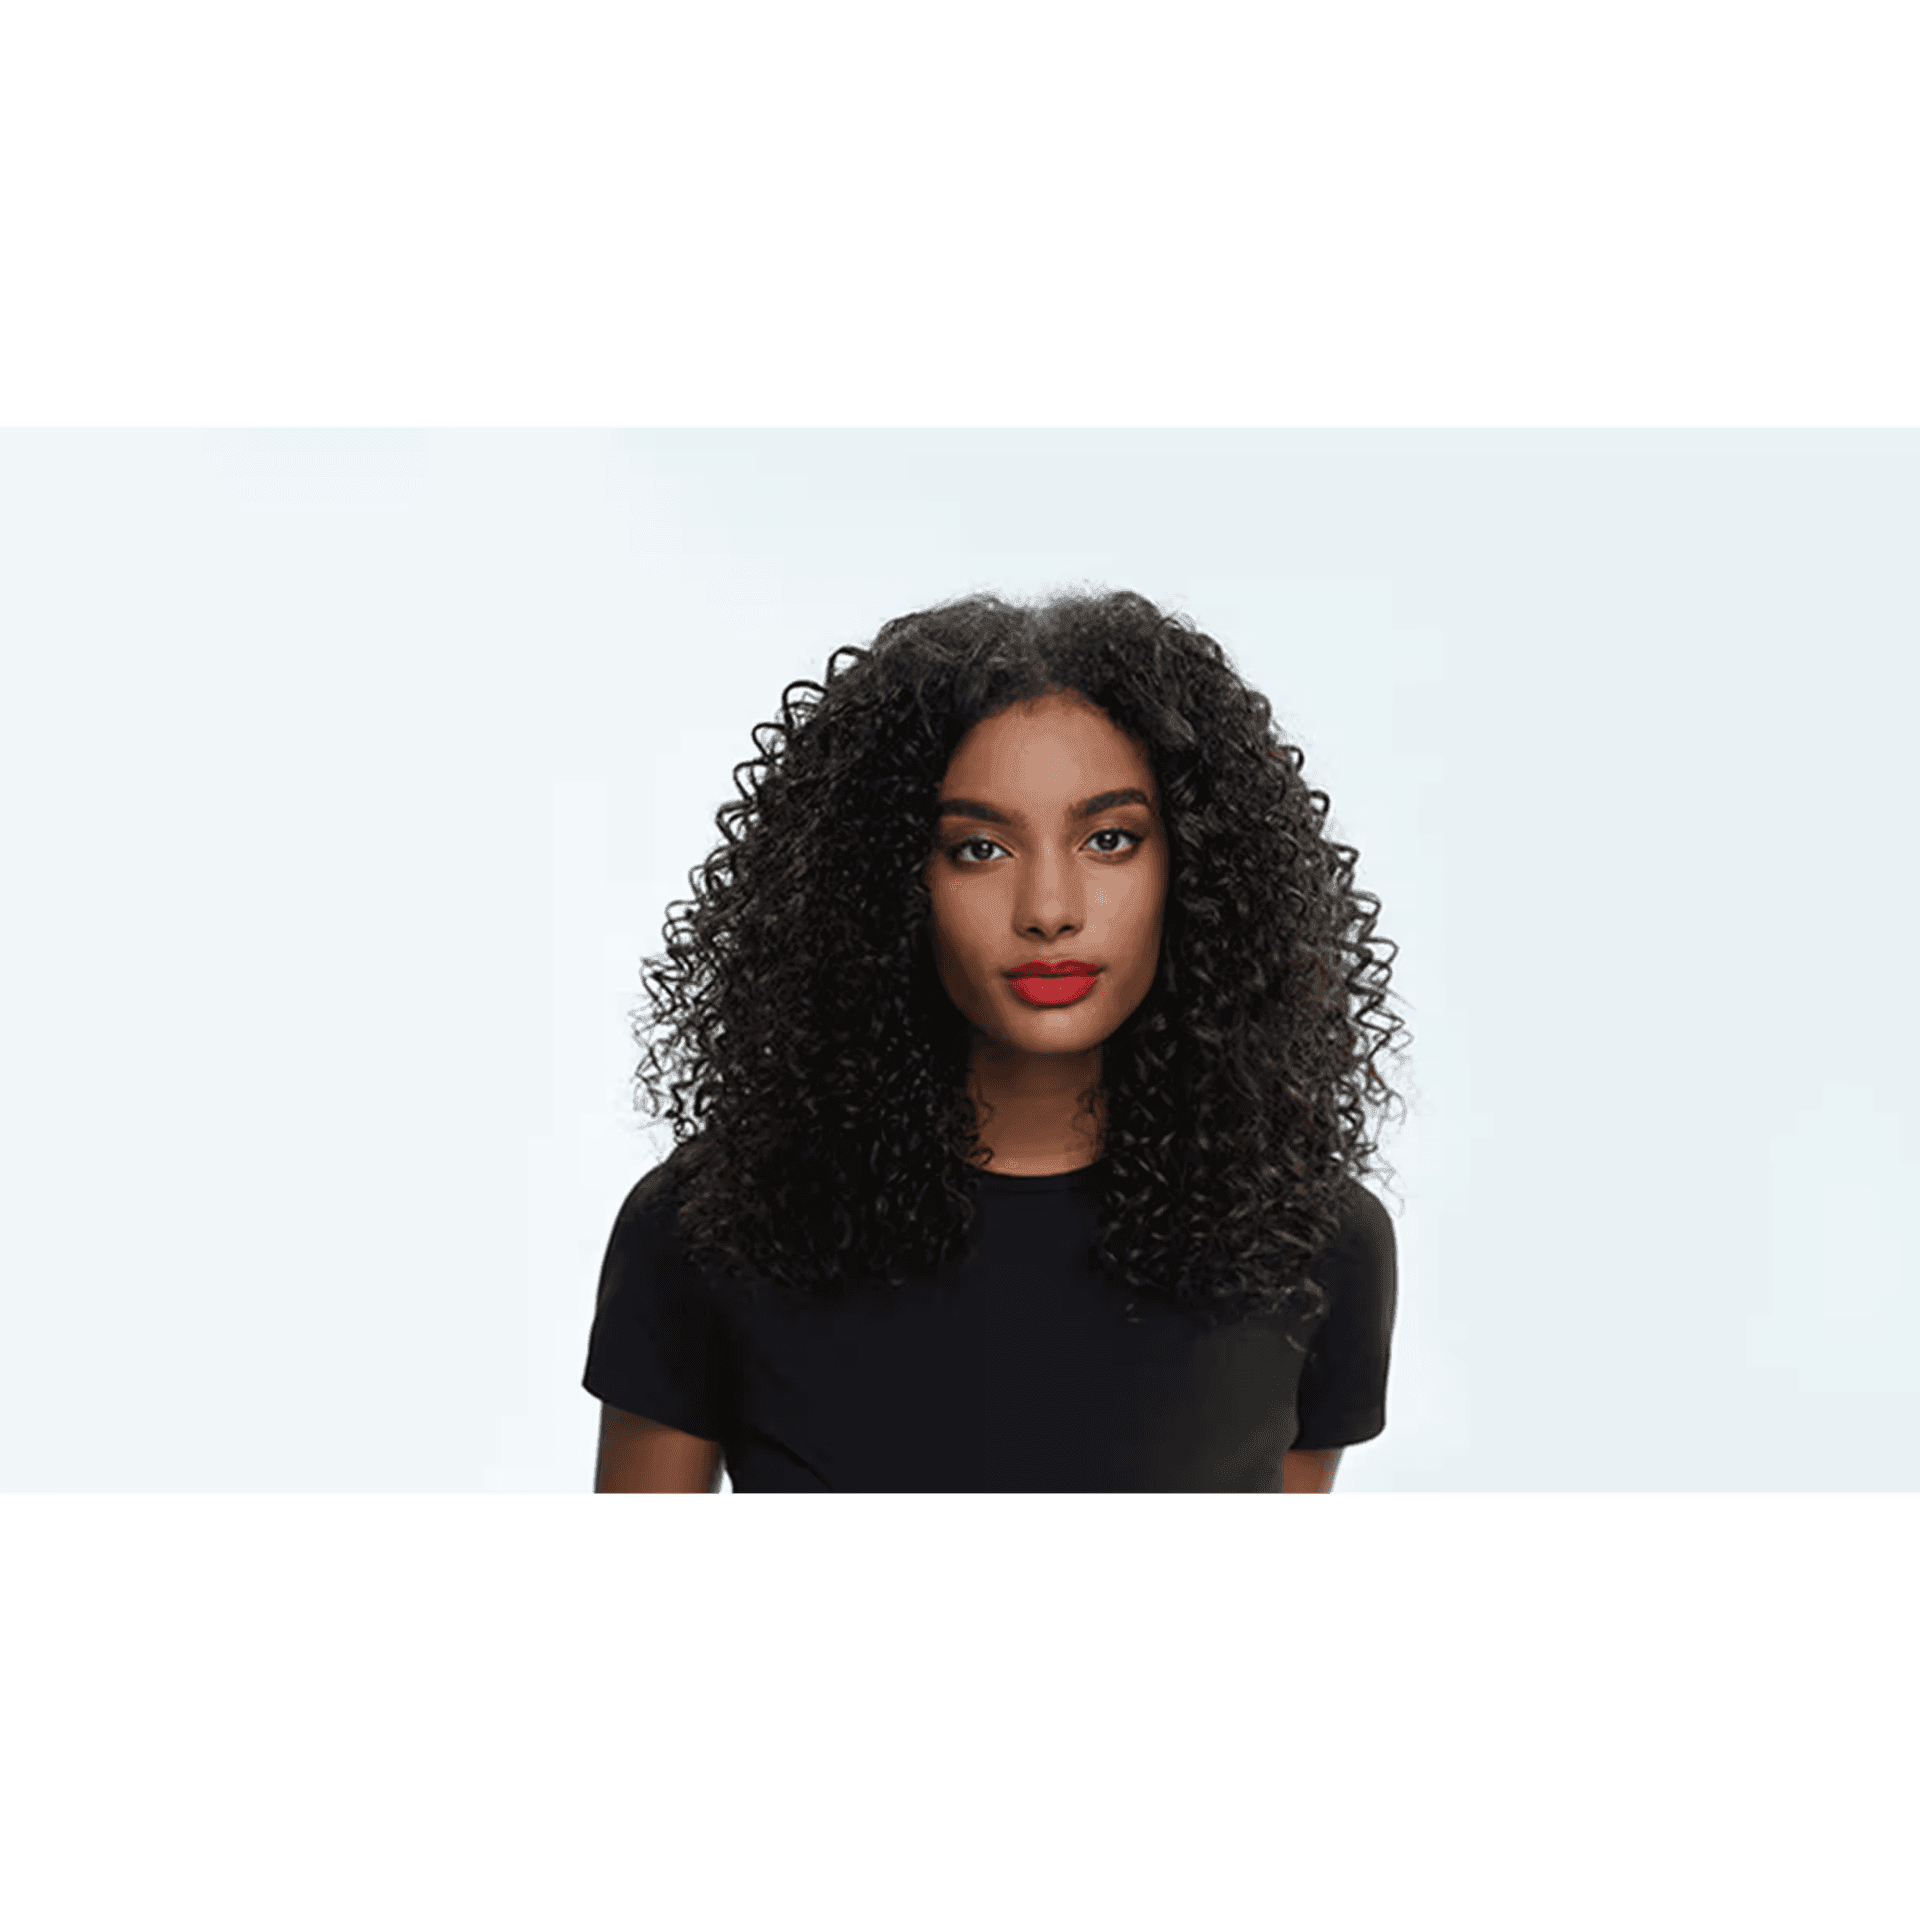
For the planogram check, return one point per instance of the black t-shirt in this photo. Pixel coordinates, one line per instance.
(1018, 1368)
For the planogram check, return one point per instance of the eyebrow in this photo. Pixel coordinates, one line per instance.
(979, 810)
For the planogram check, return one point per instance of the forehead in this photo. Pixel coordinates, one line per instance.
(1058, 746)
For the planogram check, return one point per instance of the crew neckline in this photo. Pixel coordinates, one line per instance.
(1074, 1176)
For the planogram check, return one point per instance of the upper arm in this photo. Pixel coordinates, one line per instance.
(1309, 1469)
(638, 1455)
(1342, 1395)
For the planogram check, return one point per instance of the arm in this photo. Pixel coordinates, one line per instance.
(1306, 1471)
(638, 1455)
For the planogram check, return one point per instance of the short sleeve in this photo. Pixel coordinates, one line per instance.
(655, 1344)
(1343, 1382)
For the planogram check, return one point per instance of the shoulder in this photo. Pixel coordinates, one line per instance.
(645, 1237)
(1368, 1227)
(1365, 1230)
(1358, 1269)
(654, 1201)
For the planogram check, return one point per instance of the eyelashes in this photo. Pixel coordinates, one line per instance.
(959, 847)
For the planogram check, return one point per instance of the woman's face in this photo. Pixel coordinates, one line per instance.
(1050, 848)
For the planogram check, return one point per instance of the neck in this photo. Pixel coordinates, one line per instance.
(1033, 1108)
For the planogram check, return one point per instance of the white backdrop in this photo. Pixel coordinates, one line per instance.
(347, 776)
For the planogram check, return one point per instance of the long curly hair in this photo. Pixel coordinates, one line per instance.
(815, 1073)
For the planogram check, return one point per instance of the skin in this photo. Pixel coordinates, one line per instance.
(1021, 870)
(638, 1455)
(1020, 873)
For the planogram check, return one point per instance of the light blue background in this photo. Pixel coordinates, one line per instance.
(347, 776)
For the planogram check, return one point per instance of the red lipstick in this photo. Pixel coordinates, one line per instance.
(1053, 983)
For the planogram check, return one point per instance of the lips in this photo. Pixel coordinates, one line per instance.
(1053, 983)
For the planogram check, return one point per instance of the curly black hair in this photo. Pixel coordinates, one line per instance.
(815, 1071)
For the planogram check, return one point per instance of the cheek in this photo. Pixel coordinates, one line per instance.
(952, 930)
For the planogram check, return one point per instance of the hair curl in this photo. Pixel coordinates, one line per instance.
(815, 1071)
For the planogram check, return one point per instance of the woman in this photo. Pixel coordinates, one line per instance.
(1020, 1047)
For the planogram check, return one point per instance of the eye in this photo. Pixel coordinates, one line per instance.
(959, 849)
(956, 852)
